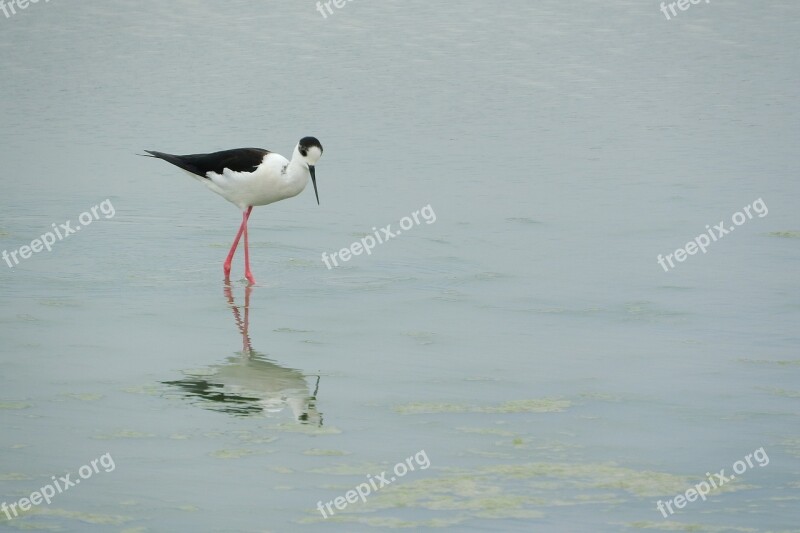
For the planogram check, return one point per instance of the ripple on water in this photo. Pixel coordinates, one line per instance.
(539, 405)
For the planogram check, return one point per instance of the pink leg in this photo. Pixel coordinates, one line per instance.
(247, 273)
(228, 260)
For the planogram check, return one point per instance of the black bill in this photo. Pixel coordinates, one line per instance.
(314, 181)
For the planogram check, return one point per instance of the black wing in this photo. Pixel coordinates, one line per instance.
(238, 160)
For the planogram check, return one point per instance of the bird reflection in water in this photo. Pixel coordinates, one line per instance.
(249, 383)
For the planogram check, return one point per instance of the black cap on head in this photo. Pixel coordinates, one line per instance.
(305, 144)
(309, 142)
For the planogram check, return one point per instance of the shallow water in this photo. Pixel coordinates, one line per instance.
(527, 342)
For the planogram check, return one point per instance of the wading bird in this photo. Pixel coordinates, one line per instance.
(248, 177)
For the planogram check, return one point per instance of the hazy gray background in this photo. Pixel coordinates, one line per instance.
(557, 378)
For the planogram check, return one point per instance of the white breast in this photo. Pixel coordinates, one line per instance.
(272, 181)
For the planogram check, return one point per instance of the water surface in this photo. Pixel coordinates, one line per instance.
(527, 341)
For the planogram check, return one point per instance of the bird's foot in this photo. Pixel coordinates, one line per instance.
(226, 268)
(250, 278)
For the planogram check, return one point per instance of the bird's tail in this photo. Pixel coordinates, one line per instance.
(175, 160)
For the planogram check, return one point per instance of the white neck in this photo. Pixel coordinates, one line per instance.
(297, 167)
(296, 175)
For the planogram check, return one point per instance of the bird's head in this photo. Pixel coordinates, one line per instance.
(309, 150)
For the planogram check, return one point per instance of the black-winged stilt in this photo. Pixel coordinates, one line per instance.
(248, 177)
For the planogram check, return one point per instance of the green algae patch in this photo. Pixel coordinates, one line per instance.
(125, 434)
(523, 220)
(487, 431)
(14, 476)
(301, 262)
(24, 317)
(785, 234)
(423, 338)
(514, 514)
(307, 429)
(389, 523)
(147, 390)
(251, 438)
(59, 303)
(28, 525)
(792, 446)
(789, 362)
(782, 392)
(188, 508)
(488, 276)
(78, 516)
(430, 408)
(348, 470)
(601, 397)
(647, 311)
(325, 453)
(238, 453)
(509, 491)
(677, 526)
(607, 476)
(84, 397)
(13, 406)
(541, 405)
(489, 454)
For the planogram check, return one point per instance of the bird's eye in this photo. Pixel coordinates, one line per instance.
(303, 152)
